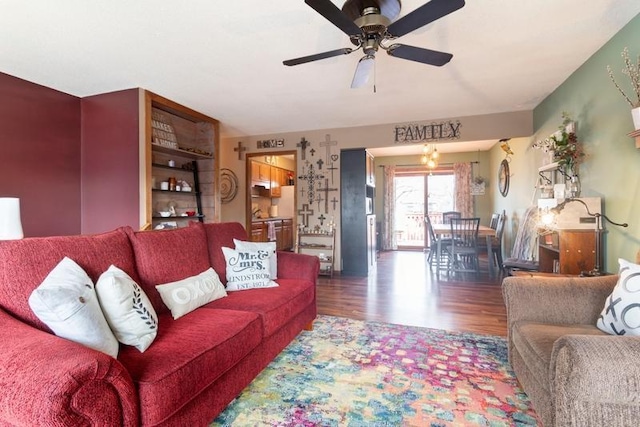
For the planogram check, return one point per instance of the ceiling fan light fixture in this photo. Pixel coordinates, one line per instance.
(363, 71)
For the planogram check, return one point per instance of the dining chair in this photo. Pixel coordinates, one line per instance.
(497, 222)
(496, 242)
(462, 252)
(433, 246)
(446, 216)
(493, 223)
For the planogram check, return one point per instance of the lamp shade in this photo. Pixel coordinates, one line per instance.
(10, 225)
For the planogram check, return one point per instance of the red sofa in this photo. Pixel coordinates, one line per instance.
(197, 363)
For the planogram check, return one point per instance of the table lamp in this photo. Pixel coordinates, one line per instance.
(10, 225)
(548, 217)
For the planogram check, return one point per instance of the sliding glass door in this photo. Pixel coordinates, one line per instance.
(420, 193)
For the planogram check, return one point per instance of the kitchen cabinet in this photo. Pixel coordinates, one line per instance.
(287, 235)
(260, 174)
(283, 232)
(258, 231)
(272, 178)
(276, 179)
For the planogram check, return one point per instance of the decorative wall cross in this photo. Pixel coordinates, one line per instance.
(322, 218)
(240, 149)
(311, 177)
(320, 163)
(305, 213)
(333, 202)
(328, 143)
(319, 199)
(326, 190)
(303, 144)
(313, 152)
(332, 168)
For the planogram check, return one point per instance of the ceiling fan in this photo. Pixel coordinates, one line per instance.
(368, 23)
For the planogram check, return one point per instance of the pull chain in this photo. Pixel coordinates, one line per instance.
(374, 76)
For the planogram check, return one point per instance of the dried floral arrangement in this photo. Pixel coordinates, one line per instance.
(568, 151)
(632, 70)
(564, 144)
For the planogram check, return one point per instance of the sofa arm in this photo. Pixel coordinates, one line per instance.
(298, 266)
(563, 300)
(596, 380)
(50, 381)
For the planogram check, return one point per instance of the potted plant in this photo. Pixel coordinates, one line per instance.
(632, 70)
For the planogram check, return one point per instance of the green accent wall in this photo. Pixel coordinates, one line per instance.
(611, 166)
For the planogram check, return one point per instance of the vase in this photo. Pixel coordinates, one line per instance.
(573, 186)
(635, 114)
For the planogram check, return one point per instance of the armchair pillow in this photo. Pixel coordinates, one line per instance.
(67, 303)
(621, 312)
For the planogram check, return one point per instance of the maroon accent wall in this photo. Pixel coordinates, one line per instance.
(110, 161)
(40, 155)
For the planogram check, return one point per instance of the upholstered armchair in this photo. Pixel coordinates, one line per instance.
(574, 374)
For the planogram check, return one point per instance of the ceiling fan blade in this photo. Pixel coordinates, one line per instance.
(317, 56)
(418, 54)
(423, 15)
(363, 71)
(334, 15)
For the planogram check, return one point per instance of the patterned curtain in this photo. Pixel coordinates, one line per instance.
(388, 201)
(463, 198)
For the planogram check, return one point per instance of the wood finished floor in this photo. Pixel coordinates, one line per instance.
(405, 291)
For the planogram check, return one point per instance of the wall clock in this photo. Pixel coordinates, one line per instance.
(503, 178)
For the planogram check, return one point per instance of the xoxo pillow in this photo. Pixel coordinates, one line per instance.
(186, 295)
(248, 269)
(621, 312)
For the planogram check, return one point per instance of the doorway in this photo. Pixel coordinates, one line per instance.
(420, 193)
(271, 183)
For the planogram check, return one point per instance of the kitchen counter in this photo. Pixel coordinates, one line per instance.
(281, 225)
(278, 218)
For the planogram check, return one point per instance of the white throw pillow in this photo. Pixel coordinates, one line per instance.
(186, 295)
(247, 269)
(66, 302)
(127, 309)
(621, 313)
(242, 245)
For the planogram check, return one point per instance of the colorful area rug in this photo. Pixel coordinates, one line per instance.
(352, 373)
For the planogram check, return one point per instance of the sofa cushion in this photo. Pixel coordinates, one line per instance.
(127, 309)
(276, 306)
(25, 263)
(270, 247)
(188, 355)
(164, 256)
(186, 295)
(218, 235)
(621, 312)
(67, 302)
(534, 343)
(248, 269)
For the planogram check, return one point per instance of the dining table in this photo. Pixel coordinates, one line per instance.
(483, 231)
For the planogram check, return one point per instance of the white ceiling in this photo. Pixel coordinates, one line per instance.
(225, 58)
